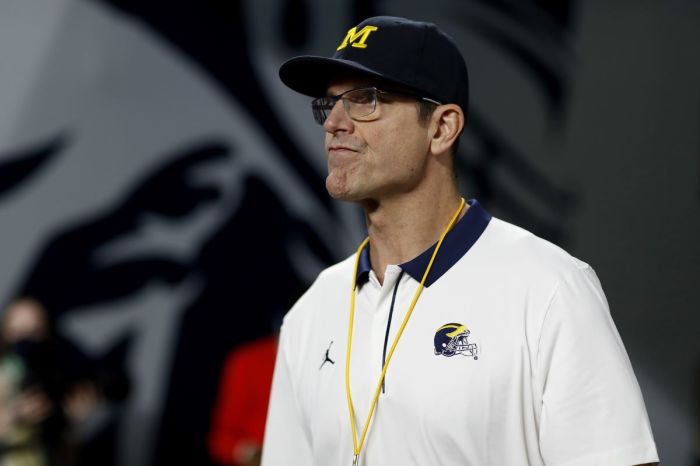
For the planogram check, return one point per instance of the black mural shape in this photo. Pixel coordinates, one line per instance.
(547, 17)
(18, 168)
(479, 166)
(110, 374)
(246, 266)
(67, 274)
(551, 78)
(548, 24)
(250, 282)
(213, 34)
(295, 23)
(359, 10)
(296, 20)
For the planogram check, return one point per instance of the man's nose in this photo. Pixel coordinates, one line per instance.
(338, 119)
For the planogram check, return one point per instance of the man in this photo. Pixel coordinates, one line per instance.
(451, 337)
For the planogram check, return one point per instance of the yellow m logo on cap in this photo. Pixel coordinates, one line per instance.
(353, 36)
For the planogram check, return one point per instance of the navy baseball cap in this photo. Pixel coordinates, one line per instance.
(411, 54)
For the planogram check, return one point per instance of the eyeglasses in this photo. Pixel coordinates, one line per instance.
(359, 103)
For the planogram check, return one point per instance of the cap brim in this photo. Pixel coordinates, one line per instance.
(310, 75)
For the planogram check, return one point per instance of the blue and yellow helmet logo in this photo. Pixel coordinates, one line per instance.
(452, 339)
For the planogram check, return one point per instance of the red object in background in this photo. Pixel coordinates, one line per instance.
(239, 415)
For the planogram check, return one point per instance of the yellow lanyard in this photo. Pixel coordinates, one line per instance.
(357, 447)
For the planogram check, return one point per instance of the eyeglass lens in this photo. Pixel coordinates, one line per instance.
(358, 103)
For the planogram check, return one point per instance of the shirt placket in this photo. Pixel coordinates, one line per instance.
(369, 335)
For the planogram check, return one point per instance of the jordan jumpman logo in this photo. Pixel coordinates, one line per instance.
(327, 357)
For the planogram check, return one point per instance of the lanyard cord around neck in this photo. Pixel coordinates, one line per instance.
(357, 446)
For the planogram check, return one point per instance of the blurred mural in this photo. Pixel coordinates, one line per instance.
(161, 193)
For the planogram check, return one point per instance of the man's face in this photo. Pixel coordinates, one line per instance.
(375, 159)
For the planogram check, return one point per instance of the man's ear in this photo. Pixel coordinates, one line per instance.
(447, 122)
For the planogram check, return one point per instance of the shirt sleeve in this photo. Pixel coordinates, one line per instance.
(286, 442)
(592, 409)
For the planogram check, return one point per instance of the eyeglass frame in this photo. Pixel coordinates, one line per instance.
(319, 111)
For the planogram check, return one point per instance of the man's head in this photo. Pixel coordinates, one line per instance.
(394, 92)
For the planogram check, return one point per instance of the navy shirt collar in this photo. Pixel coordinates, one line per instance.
(454, 247)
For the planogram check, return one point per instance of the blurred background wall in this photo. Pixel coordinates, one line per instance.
(162, 193)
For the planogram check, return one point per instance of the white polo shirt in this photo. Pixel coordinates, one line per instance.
(510, 358)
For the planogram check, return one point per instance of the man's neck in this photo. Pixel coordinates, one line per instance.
(401, 229)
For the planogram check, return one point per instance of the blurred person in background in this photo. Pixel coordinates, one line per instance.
(237, 426)
(21, 410)
(238, 419)
(52, 395)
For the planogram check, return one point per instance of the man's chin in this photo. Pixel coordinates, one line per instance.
(341, 195)
(338, 189)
